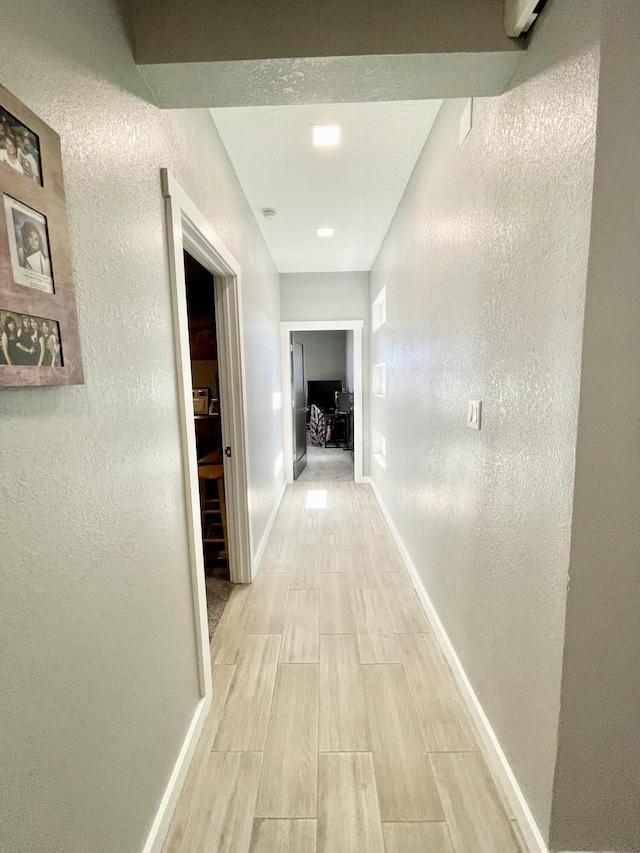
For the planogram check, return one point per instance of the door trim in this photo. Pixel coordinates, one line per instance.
(294, 409)
(189, 229)
(355, 326)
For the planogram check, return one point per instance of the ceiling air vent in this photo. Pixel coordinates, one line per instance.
(519, 15)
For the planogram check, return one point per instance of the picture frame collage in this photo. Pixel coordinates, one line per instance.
(39, 336)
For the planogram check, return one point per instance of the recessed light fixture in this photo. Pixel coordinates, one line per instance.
(326, 134)
(325, 232)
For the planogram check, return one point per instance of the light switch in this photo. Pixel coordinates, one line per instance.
(474, 414)
(465, 120)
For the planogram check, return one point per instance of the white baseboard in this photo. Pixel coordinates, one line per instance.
(267, 531)
(364, 479)
(160, 826)
(503, 772)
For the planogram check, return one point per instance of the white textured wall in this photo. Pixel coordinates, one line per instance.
(596, 803)
(485, 268)
(98, 677)
(333, 296)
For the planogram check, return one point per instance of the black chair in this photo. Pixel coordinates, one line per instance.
(339, 423)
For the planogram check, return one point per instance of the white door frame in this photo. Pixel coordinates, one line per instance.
(355, 326)
(188, 229)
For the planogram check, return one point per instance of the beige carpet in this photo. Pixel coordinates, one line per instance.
(219, 590)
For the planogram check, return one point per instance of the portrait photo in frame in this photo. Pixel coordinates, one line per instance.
(39, 336)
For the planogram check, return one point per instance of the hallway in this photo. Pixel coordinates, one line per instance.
(336, 725)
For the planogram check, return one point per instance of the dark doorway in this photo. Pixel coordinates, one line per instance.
(299, 409)
(203, 345)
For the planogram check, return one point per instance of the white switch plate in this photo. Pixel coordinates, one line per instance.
(465, 120)
(474, 414)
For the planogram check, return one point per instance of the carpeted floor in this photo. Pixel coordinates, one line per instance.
(327, 463)
(218, 591)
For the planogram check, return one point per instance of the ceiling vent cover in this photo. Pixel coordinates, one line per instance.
(519, 15)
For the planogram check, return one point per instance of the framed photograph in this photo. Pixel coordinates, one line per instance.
(28, 246)
(29, 341)
(19, 147)
(39, 336)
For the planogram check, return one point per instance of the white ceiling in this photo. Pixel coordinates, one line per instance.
(355, 187)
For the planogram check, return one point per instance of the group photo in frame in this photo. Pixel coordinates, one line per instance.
(19, 147)
(39, 336)
(29, 341)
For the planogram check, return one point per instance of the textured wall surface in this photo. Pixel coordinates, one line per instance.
(333, 296)
(596, 802)
(325, 355)
(327, 80)
(485, 269)
(98, 678)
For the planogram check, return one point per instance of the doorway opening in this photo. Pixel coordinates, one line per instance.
(322, 395)
(322, 387)
(203, 349)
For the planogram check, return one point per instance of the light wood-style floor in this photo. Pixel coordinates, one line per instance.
(336, 726)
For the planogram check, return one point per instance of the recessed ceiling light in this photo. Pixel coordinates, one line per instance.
(326, 134)
(325, 232)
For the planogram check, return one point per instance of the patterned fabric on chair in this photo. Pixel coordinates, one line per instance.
(317, 426)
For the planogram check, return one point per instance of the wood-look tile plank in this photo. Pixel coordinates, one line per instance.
(287, 522)
(517, 832)
(343, 722)
(311, 524)
(407, 615)
(506, 805)
(279, 554)
(440, 709)
(348, 812)
(330, 555)
(283, 836)
(245, 719)
(265, 607)
(365, 522)
(231, 629)
(475, 816)
(293, 499)
(357, 540)
(416, 838)
(359, 568)
(222, 819)
(376, 638)
(221, 677)
(384, 553)
(333, 521)
(336, 616)
(406, 787)
(288, 787)
(301, 637)
(307, 567)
